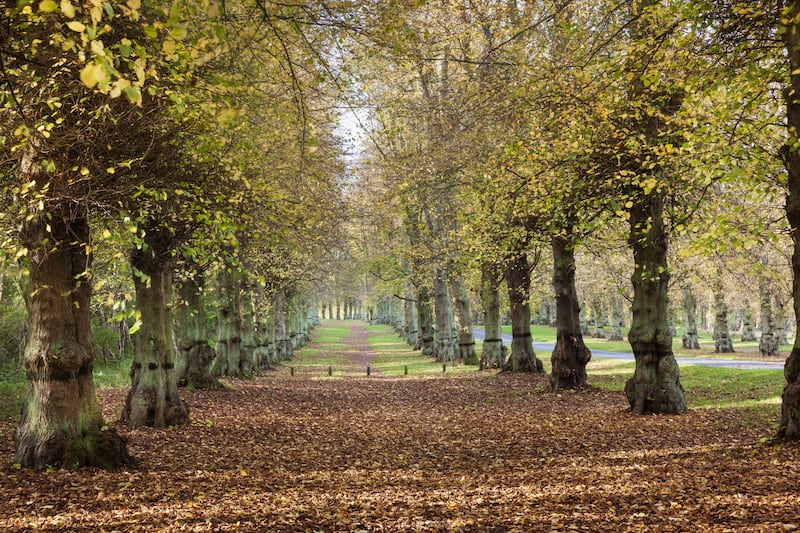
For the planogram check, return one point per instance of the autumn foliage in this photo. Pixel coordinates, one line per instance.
(477, 451)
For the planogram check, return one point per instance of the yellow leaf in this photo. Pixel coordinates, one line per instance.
(168, 47)
(87, 75)
(77, 26)
(97, 48)
(67, 8)
(84, 171)
(134, 4)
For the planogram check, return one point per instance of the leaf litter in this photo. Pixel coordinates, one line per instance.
(468, 452)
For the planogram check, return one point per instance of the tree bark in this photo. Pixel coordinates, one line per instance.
(570, 354)
(690, 340)
(248, 330)
(229, 339)
(410, 310)
(518, 279)
(445, 348)
(463, 320)
(722, 336)
(153, 399)
(494, 353)
(61, 424)
(195, 354)
(425, 321)
(655, 385)
(790, 407)
(768, 344)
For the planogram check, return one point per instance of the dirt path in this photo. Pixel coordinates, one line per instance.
(356, 352)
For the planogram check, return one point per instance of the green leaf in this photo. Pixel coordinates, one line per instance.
(47, 6)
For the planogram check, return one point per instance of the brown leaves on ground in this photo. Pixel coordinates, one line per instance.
(477, 452)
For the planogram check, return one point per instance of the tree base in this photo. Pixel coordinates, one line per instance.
(569, 361)
(101, 448)
(655, 386)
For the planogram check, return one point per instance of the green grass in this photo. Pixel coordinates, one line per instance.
(705, 387)
(394, 356)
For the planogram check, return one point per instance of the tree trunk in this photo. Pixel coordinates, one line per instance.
(655, 385)
(425, 320)
(690, 340)
(748, 331)
(722, 336)
(248, 331)
(410, 310)
(195, 354)
(445, 348)
(599, 314)
(494, 353)
(463, 320)
(570, 354)
(229, 319)
(518, 279)
(61, 424)
(153, 399)
(283, 345)
(790, 410)
(617, 320)
(768, 345)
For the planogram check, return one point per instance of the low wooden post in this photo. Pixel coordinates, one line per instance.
(291, 371)
(330, 371)
(444, 369)
(368, 370)
(405, 370)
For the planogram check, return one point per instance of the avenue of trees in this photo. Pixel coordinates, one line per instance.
(180, 174)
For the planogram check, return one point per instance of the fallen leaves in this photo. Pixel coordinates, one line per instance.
(482, 451)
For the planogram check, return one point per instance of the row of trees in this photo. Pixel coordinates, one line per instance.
(502, 128)
(172, 142)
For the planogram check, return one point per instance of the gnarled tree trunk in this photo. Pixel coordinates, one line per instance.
(153, 399)
(444, 349)
(195, 354)
(790, 409)
(690, 340)
(463, 320)
(61, 424)
(425, 320)
(229, 324)
(655, 385)
(570, 354)
(494, 353)
(722, 336)
(518, 279)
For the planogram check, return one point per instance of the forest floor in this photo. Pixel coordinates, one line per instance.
(477, 451)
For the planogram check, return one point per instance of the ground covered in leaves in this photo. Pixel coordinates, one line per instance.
(462, 452)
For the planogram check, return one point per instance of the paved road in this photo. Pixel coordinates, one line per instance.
(704, 361)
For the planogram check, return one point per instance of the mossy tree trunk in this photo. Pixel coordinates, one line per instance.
(195, 354)
(790, 408)
(768, 344)
(248, 331)
(462, 315)
(722, 335)
(570, 354)
(412, 323)
(494, 353)
(690, 340)
(61, 424)
(229, 324)
(518, 279)
(445, 349)
(655, 385)
(153, 399)
(425, 320)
